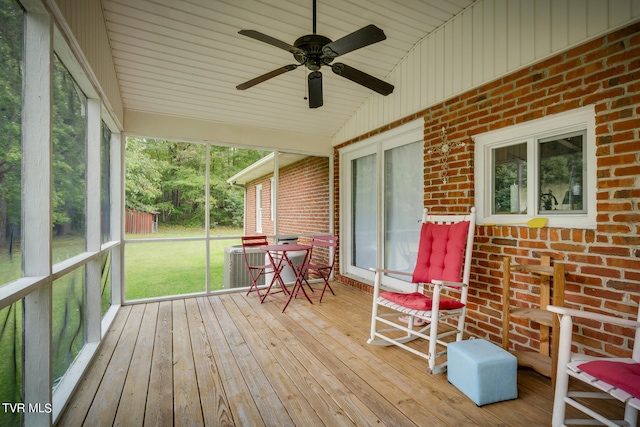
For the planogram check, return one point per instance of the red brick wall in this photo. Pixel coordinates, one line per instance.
(303, 200)
(603, 265)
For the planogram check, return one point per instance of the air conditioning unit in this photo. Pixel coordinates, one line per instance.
(236, 274)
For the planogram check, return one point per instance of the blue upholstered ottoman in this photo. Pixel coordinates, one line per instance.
(484, 372)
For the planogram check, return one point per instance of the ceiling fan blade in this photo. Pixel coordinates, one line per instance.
(267, 76)
(362, 78)
(315, 89)
(361, 38)
(270, 40)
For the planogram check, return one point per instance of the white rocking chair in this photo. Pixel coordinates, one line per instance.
(612, 378)
(444, 264)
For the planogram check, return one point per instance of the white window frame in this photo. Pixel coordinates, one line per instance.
(259, 208)
(273, 199)
(580, 119)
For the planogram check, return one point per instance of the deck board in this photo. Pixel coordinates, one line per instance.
(298, 363)
(281, 365)
(103, 411)
(244, 409)
(267, 400)
(159, 401)
(76, 410)
(187, 410)
(130, 411)
(228, 360)
(212, 397)
(337, 363)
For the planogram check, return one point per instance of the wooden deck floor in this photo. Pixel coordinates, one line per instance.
(229, 360)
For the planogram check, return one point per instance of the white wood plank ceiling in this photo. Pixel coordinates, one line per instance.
(184, 58)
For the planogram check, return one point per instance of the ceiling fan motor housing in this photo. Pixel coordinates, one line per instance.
(312, 45)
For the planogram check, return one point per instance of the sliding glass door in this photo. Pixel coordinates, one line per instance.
(382, 200)
(403, 203)
(364, 211)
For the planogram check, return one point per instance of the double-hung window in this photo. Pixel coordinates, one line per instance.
(543, 168)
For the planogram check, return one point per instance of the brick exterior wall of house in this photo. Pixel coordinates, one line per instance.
(603, 265)
(303, 201)
(303, 198)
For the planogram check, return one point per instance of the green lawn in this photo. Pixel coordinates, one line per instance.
(67, 317)
(154, 269)
(10, 360)
(64, 247)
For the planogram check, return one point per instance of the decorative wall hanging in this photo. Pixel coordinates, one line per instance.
(445, 148)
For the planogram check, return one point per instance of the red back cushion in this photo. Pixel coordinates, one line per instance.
(441, 251)
(625, 376)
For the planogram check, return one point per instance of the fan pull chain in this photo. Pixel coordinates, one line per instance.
(306, 90)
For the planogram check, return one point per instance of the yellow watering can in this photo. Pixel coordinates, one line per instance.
(532, 223)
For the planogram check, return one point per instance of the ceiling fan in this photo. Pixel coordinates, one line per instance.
(313, 51)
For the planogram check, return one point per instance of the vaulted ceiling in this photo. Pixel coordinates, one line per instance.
(184, 58)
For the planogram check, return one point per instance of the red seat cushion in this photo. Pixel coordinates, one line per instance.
(625, 376)
(441, 252)
(418, 301)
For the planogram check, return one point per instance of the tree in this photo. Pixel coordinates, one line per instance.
(69, 134)
(142, 177)
(10, 117)
(169, 177)
(69, 153)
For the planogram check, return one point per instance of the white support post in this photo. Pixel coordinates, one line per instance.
(117, 218)
(207, 220)
(93, 301)
(276, 190)
(36, 215)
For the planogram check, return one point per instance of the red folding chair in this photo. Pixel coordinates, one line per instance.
(326, 247)
(255, 271)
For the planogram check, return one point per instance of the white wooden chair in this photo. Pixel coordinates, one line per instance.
(611, 378)
(443, 264)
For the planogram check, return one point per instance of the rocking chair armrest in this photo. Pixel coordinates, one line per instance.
(564, 311)
(447, 284)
